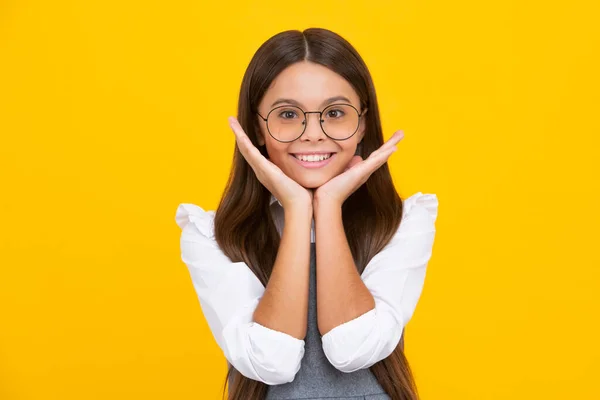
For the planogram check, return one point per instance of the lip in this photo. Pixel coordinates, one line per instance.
(314, 164)
(314, 152)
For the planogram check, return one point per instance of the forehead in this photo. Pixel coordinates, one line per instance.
(309, 84)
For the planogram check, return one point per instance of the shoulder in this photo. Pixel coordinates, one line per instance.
(419, 213)
(420, 210)
(413, 240)
(416, 231)
(195, 220)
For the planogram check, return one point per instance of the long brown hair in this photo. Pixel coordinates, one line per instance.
(243, 225)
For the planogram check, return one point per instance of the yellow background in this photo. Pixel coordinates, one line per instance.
(112, 113)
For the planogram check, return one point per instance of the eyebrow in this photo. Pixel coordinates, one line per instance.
(296, 103)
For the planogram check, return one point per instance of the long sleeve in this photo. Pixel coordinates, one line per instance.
(228, 293)
(395, 277)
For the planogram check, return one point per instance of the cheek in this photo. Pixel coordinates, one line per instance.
(277, 153)
(347, 152)
(343, 161)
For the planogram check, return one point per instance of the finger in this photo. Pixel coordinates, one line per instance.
(240, 136)
(392, 141)
(377, 159)
(264, 169)
(361, 170)
(247, 148)
(395, 138)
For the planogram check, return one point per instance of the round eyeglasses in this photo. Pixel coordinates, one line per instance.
(288, 123)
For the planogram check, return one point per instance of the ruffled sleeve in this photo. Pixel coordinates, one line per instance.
(395, 277)
(228, 293)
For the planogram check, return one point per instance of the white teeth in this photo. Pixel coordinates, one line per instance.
(312, 157)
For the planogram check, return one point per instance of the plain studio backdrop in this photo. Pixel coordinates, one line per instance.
(112, 113)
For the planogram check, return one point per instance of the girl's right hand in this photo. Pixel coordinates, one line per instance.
(289, 193)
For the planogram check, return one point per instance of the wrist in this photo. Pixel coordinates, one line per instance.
(300, 210)
(298, 203)
(326, 207)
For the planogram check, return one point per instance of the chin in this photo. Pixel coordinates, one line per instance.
(312, 182)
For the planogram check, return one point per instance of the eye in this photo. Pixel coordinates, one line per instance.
(335, 113)
(287, 114)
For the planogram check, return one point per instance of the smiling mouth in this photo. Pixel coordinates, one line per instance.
(313, 160)
(314, 157)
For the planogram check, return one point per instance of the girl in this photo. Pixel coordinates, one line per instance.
(312, 265)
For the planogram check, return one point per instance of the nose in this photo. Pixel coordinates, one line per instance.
(313, 131)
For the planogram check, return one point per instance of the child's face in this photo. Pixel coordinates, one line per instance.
(310, 85)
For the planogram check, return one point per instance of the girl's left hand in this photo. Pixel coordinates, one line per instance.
(339, 188)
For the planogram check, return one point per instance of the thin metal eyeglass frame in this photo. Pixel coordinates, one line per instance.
(360, 114)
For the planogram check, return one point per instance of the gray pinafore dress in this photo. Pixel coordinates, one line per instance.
(317, 378)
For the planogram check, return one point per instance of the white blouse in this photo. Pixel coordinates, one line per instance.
(229, 292)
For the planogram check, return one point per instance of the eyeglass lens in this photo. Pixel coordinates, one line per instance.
(286, 123)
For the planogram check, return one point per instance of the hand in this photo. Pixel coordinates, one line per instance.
(285, 189)
(339, 188)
